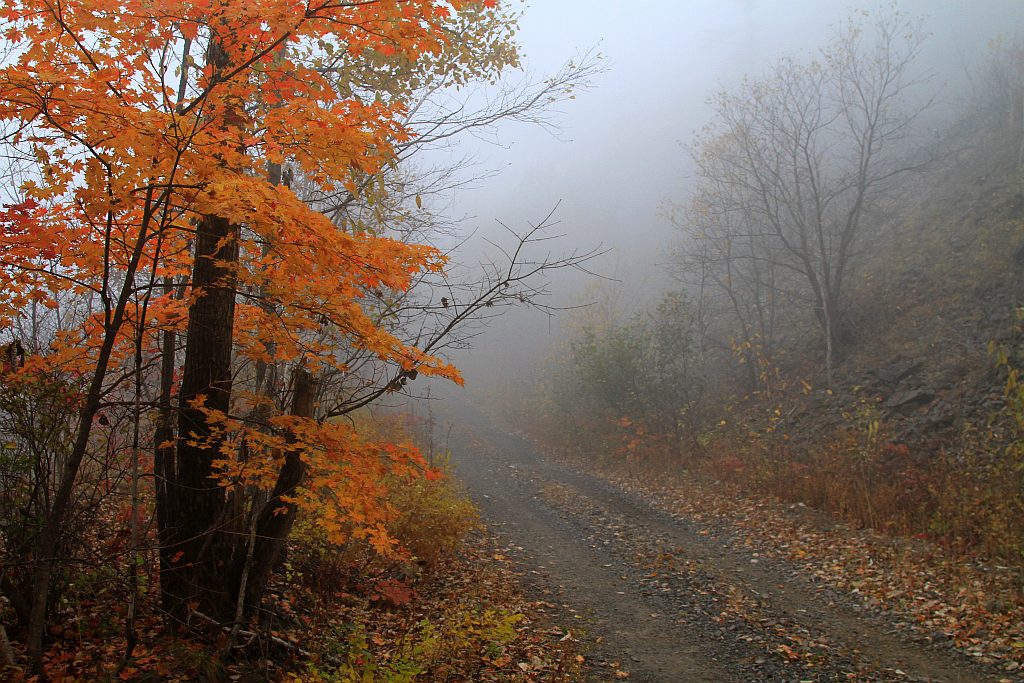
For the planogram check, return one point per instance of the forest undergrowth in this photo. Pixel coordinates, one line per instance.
(444, 606)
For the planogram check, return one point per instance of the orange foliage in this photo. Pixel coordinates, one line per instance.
(123, 166)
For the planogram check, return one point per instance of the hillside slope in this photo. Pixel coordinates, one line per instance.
(941, 284)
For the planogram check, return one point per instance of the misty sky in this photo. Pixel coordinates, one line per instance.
(619, 159)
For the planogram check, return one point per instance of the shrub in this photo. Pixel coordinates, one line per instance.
(431, 515)
(456, 646)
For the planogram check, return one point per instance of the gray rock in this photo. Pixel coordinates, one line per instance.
(961, 241)
(897, 371)
(910, 399)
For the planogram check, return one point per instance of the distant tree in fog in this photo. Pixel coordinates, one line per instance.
(788, 171)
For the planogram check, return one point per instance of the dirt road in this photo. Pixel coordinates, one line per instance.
(660, 599)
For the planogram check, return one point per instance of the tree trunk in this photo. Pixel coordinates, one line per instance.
(277, 516)
(163, 437)
(52, 531)
(829, 329)
(191, 551)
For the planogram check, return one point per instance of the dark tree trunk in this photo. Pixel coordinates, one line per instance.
(163, 436)
(192, 553)
(277, 516)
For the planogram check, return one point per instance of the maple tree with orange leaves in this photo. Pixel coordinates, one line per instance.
(190, 289)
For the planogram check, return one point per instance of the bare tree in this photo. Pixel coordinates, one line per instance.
(793, 163)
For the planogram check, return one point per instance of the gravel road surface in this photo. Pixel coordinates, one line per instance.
(659, 598)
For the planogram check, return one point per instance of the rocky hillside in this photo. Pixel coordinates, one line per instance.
(941, 286)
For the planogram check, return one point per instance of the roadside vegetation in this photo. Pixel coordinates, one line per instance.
(904, 414)
(440, 604)
(217, 251)
(890, 401)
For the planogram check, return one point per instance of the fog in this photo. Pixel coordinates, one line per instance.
(617, 158)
